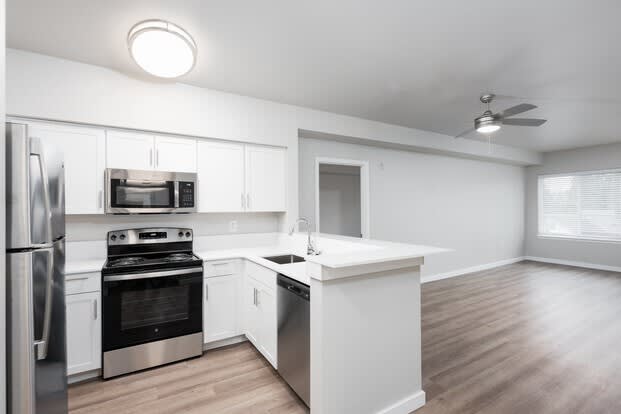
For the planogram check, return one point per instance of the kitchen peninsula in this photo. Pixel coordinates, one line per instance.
(365, 346)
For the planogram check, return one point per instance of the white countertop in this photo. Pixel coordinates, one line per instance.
(336, 253)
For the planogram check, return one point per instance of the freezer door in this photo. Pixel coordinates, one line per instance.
(35, 190)
(36, 330)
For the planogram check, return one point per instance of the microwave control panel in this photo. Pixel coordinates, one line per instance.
(186, 194)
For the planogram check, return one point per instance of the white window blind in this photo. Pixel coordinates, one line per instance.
(582, 205)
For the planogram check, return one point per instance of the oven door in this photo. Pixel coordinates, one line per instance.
(140, 192)
(146, 307)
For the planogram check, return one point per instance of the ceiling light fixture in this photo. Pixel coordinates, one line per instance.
(161, 48)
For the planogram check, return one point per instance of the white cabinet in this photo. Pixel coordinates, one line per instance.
(175, 154)
(84, 156)
(236, 177)
(250, 310)
(83, 332)
(128, 150)
(266, 178)
(135, 151)
(259, 309)
(268, 331)
(83, 310)
(221, 177)
(220, 307)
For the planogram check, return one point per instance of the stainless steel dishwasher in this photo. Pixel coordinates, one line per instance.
(294, 335)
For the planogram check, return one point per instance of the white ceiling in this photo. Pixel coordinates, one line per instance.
(420, 64)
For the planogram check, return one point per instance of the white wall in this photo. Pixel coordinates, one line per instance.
(92, 228)
(340, 202)
(473, 207)
(583, 159)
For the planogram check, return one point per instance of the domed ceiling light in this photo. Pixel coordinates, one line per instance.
(161, 48)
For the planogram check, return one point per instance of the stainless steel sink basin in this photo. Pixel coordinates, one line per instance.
(285, 259)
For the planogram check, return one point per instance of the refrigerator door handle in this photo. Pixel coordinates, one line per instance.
(37, 151)
(41, 345)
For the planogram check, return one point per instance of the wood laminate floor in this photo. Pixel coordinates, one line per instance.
(523, 338)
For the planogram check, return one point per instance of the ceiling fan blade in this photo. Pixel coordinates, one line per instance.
(524, 121)
(466, 132)
(517, 109)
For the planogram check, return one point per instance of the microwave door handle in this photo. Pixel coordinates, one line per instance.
(36, 151)
(176, 194)
(41, 345)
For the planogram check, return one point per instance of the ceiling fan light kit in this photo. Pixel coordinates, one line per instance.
(491, 122)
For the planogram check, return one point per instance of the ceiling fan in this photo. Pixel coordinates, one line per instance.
(491, 122)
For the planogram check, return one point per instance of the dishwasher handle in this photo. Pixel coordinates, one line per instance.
(293, 286)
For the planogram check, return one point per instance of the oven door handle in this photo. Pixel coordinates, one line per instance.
(151, 275)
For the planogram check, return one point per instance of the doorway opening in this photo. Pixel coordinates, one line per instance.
(341, 197)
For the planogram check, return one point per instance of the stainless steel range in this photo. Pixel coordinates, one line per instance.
(152, 299)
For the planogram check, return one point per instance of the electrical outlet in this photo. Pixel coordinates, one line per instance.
(233, 226)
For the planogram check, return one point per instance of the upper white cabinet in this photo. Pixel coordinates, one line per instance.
(85, 159)
(265, 178)
(221, 177)
(128, 150)
(175, 154)
(137, 151)
(236, 177)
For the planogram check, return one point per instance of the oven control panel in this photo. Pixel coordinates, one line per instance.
(147, 236)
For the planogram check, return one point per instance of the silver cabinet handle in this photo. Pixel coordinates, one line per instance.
(254, 299)
(248, 200)
(206, 292)
(157, 157)
(243, 201)
(100, 199)
(151, 157)
(95, 309)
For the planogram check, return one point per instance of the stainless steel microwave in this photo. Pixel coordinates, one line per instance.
(149, 192)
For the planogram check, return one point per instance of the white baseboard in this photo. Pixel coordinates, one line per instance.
(406, 405)
(83, 376)
(224, 342)
(461, 272)
(573, 263)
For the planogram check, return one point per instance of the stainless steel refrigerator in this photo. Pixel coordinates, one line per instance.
(35, 258)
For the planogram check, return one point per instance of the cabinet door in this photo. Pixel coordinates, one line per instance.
(83, 332)
(251, 310)
(220, 177)
(175, 154)
(268, 336)
(266, 178)
(220, 310)
(129, 150)
(84, 156)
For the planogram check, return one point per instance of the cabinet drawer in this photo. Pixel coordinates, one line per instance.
(220, 268)
(82, 283)
(261, 274)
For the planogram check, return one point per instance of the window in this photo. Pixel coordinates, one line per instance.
(582, 205)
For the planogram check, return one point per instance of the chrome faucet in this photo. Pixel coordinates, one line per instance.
(310, 248)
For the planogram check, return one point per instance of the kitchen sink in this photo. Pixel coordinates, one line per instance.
(285, 259)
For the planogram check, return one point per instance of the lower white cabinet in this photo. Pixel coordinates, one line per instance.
(259, 310)
(220, 307)
(83, 332)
